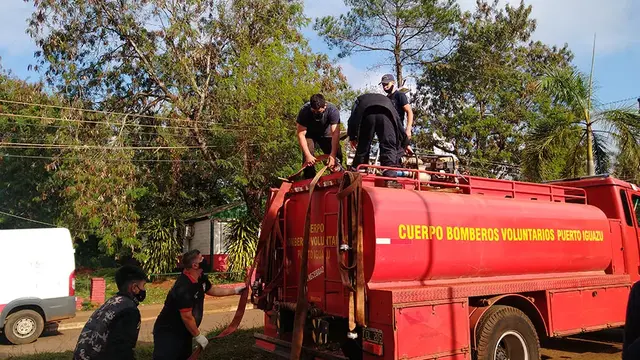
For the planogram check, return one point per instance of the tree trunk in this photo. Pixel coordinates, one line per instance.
(590, 161)
(253, 200)
(398, 71)
(397, 51)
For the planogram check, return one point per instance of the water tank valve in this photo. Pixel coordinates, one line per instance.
(345, 247)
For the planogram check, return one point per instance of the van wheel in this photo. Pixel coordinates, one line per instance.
(506, 333)
(23, 327)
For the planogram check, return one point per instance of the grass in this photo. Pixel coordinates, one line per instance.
(237, 346)
(156, 291)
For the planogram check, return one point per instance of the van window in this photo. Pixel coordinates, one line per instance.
(625, 206)
(636, 207)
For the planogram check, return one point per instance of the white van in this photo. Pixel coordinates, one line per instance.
(37, 281)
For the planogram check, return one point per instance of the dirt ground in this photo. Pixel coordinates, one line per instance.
(604, 345)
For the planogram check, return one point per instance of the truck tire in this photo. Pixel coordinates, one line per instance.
(23, 327)
(506, 333)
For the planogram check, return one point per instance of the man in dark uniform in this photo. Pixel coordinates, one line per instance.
(112, 331)
(318, 125)
(181, 315)
(399, 100)
(374, 114)
(631, 344)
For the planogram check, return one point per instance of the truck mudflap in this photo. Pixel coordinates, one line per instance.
(283, 349)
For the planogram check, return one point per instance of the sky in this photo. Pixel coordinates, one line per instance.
(616, 24)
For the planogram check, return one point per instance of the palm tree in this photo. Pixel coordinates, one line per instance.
(578, 131)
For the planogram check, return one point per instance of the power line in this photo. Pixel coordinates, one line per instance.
(37, 157)
(104, 112)
(115, 123)
(26, 219)
(135, 133)
(40, 139)
(621, 101)
(102, 147)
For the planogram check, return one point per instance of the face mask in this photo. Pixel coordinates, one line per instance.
(141, 295)
(389, 90)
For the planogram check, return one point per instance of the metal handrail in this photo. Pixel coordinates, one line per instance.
(416, 180)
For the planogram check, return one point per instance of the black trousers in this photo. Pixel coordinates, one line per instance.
(324, 143)
(391, 151)
(172, 346)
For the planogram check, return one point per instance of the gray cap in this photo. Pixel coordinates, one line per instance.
(386, 78)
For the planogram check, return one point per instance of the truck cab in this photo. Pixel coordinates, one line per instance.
(620, 201)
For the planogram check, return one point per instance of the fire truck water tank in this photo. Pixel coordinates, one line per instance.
(413, 236)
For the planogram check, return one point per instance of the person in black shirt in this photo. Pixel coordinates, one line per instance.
(318, 125)
(631, 344)
(374, 114)
(112, 331)
(399, 100)
(183, 309)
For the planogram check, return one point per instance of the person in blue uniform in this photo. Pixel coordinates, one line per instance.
(375, 115)
(112, 331)
(318, 126)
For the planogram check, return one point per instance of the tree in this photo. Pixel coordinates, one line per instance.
(409, 32)
(588, 132)
(213, 85)
(25, 169)
(479, 103)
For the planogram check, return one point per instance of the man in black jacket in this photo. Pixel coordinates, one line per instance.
(374, 114)
(112, 331)
(631, 345)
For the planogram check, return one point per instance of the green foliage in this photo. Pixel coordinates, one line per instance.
(206, 95)
(479, 103)
(162, 246)
(24, 175)
(584, 127)
(409, 33)
(241, 244)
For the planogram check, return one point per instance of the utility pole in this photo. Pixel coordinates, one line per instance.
(587, 112)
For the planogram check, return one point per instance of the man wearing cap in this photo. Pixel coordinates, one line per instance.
(179, 321)
(399, 100)
(112, 331)
(318, 125)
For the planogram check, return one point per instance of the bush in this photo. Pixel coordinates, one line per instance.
(162, 246)
(241, 244)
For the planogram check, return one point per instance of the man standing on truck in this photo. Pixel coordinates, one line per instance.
(181, 315)
(399, 100)
(318, 125)
(374, 114)
(112, 331)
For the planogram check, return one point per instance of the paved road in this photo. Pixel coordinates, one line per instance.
(218, 314)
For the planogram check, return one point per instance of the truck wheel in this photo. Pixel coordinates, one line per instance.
(23, 327)
(506, 333)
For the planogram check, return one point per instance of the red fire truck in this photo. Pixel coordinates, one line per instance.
(443, 266)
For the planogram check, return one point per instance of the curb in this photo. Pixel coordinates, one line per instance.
(80, 325)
